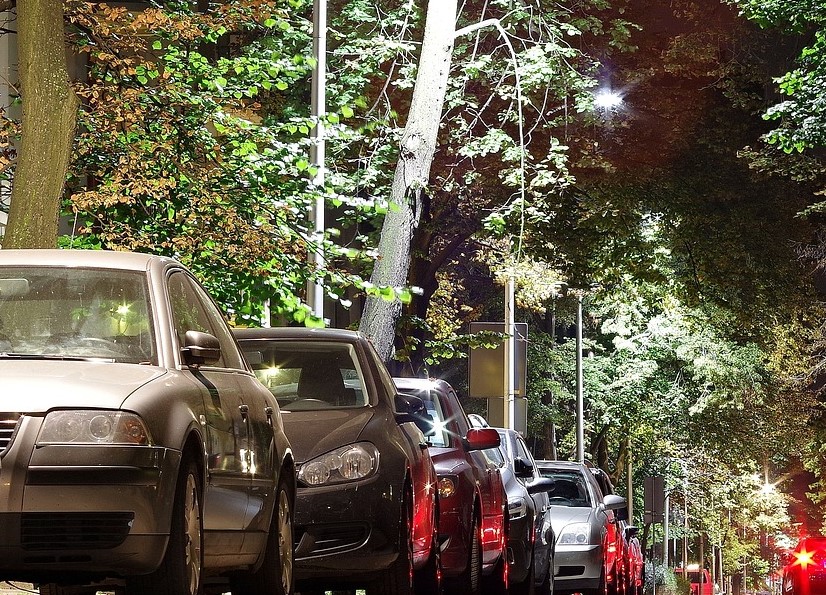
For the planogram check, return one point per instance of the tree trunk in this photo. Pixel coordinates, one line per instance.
(48, 123)
(418, 145)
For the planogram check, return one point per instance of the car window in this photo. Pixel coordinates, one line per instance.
(440, 437)
(310, 375)
(192, 310)
(570, 488)
(76, 312)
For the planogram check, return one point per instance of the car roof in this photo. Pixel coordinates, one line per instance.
(568, 465)
(86, 258)
(423, 383)
(299, 333)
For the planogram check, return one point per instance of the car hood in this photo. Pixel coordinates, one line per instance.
(313, 433)
(565, 515)
(35, 386)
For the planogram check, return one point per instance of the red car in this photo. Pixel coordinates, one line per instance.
(635, 561)
(805, 574)
(473, 513)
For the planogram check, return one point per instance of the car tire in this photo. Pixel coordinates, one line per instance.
(398, 580)
(469, 582)
(428, 579)
(497, 582)
(180, 570)
(276, 575)
(547, 586)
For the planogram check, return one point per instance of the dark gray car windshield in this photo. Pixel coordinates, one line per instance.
(309, 375)
(75, 313)
(569, 488)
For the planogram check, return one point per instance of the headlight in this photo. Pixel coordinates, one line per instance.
(517, 508)
(575, 534)
(93, 427)
(348, 463)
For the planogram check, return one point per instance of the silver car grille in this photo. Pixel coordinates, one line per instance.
(8, 423)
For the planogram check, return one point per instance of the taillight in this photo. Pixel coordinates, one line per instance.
(805, 558)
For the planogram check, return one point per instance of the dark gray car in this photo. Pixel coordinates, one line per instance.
(366, 505)
(137, 449)
(530, 534)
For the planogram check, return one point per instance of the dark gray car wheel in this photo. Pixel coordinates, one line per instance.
(276, 575)
(469, 582)
(398, 580)
(180, 570)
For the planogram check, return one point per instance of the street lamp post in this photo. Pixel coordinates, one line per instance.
(315, 256)
(580, 400)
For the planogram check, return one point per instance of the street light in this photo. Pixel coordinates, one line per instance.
(606, 99)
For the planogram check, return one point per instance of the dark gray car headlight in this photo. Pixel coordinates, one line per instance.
(93, 426)
(348, 463)
(575, 534)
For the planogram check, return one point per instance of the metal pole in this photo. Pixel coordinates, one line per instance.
(315, 256)
(630, 481)
(580, 401)
(510, 352)
(666, 536)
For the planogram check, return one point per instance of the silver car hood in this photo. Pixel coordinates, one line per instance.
(35, 386)
(565, 515)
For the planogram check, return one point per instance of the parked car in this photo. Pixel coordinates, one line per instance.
(472, 515)
(700, 580)
(626, 568)
(582, 522)
(530, 535)
(636, 561)
(805, 569)
(139, 451)
(366, 508)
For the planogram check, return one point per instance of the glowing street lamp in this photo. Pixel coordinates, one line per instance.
(607, 100)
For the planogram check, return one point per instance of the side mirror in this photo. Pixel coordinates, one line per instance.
(522, 469)
(200, 348)
(631, 531)
(614, 502)
(410, 409)
(543, 484)
(481, 439)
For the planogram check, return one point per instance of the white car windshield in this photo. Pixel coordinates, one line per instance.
(75, 313)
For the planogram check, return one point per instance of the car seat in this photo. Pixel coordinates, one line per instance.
(323, 380)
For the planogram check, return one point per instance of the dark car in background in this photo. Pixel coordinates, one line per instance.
(805, 572)
(365, 513)
(139, 452)
(473, 523)
(530, 534)
(582, 519)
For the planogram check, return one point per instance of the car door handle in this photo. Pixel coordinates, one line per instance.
(269, 413)
(245, 411)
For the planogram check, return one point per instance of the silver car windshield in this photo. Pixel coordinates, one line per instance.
(305, 375)
(75, 313)
(569, 488)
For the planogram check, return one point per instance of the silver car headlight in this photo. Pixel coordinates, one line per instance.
(348, 463)
(93, 426)
(517, 508)
(575, 534)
